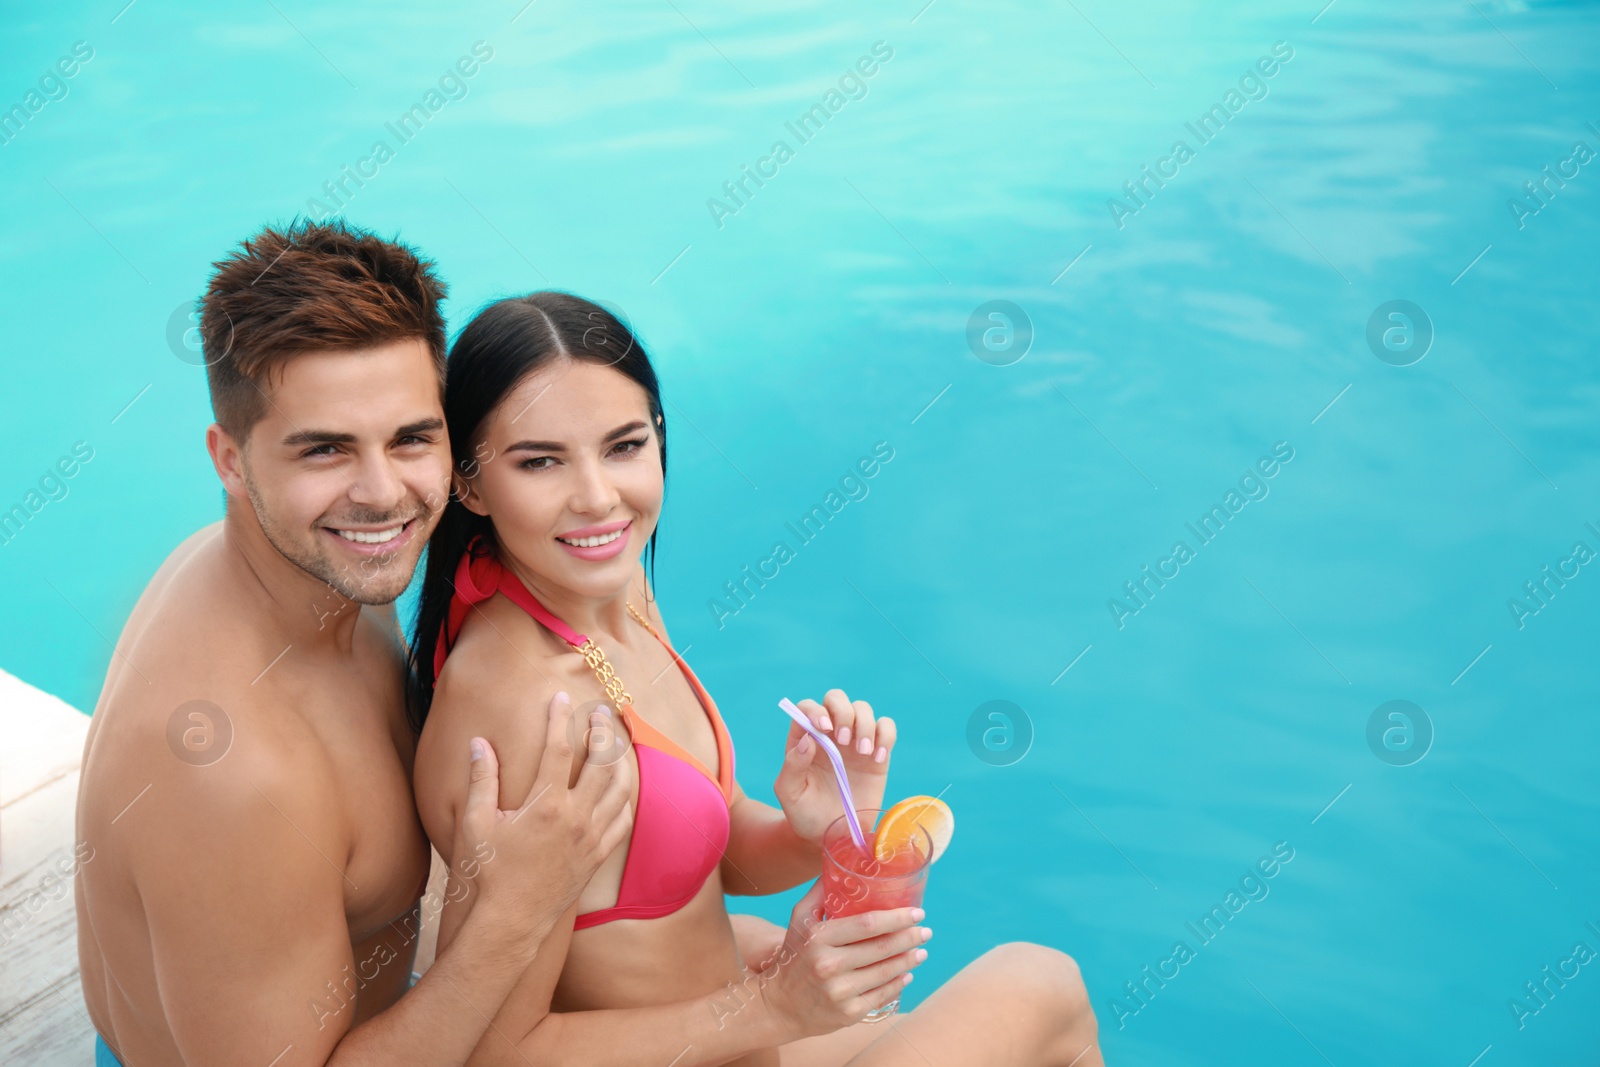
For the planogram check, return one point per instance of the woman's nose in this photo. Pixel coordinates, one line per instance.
(594, 493)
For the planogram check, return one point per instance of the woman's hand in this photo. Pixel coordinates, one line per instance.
(829, 973)
(805, 786)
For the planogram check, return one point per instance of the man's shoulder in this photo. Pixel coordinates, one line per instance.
(195, 631)
(190, 604)
(198, 548)
(187, 708)
(206, 737)
(182, 783)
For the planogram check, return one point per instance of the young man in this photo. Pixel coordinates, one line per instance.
(251, 857)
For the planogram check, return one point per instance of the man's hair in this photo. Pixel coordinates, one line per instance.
(309, 287)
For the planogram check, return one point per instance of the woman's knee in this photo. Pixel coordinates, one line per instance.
(1046, 985)
(1044, 975)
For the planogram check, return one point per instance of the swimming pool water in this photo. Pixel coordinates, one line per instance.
(1157, 749)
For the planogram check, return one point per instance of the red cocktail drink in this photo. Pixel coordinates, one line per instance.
(854, 881)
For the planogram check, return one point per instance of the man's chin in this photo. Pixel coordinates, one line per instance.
(374, 582)
(382, 587)
(374, 598)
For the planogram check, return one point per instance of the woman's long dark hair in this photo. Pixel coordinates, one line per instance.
(500, 347)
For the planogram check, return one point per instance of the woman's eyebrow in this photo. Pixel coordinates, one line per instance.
(623, 431)
(557, 446)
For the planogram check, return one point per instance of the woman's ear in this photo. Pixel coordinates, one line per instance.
(465, 490)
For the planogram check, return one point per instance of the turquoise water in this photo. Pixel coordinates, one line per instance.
(831, 311)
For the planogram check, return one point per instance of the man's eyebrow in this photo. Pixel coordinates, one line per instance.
(420, 426)
(318, 437)
(328, 437)
(557, 446)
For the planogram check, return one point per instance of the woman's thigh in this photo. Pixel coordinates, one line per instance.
(1016, 1006)
(758, 939)
(835, 1049)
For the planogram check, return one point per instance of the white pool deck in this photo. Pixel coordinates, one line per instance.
(42, 1018)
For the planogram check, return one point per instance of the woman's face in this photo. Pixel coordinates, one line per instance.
(568, 467)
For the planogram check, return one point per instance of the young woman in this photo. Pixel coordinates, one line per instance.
(534, 588)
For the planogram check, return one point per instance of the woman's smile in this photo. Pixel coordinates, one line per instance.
(596, 543)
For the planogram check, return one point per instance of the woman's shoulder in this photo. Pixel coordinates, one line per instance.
(501, 661)
(497, 683)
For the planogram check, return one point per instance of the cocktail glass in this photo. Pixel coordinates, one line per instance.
(854, 882)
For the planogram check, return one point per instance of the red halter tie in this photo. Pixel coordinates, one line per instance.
(479, 576)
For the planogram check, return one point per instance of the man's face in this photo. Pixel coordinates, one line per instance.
(349, 468)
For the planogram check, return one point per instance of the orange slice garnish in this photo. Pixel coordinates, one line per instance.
(898, 826)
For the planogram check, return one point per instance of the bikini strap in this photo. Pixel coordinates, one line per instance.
(479, 576)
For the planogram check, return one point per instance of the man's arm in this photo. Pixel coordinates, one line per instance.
(250, 944)
(243, 886)
(721, 1026)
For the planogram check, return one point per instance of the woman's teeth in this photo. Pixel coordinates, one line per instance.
(371, 537)
(591, 542)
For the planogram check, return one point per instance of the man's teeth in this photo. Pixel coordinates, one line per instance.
(591, 542)
(371, 537)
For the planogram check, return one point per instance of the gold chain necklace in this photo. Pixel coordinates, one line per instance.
(595, 656)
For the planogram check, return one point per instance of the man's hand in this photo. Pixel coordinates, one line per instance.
(536, 859)
(805, 787)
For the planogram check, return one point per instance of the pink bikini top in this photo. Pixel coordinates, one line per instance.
(680, 822)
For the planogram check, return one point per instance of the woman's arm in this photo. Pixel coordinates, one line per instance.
(771, 850)
(720, 1027)
(764, 854)
(480, 696)
(824, 977)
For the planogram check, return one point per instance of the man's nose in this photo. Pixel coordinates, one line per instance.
(377, 484)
